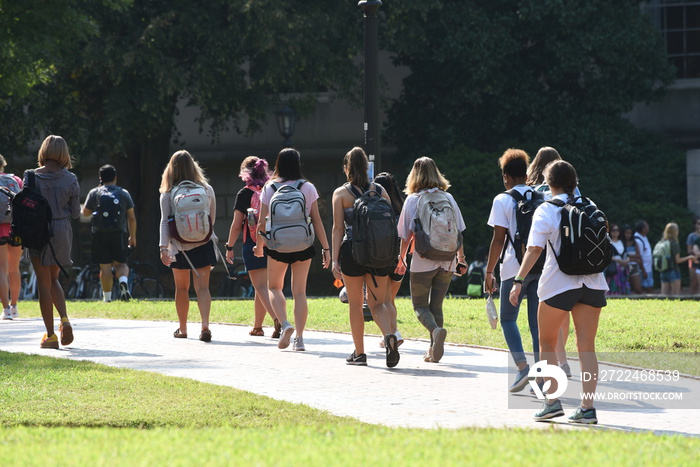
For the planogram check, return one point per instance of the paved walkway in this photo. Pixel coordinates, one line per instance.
(468, 388)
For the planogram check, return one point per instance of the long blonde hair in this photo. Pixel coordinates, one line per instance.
(671, 231)
(425, 175)
(54, 148)
(181, 166)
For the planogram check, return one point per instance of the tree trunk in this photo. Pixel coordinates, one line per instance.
(140, 172)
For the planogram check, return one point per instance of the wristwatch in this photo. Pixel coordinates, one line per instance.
(228, 248)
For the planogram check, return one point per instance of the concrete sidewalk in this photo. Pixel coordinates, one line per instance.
(468, 388)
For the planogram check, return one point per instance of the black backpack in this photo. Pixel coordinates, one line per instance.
(585, 244)
(525, 205)
(108, 216)
(375, 238)
(31, 218)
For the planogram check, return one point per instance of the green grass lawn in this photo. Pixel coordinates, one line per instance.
(79, 413)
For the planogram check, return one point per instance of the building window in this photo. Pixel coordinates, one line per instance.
(679, 23)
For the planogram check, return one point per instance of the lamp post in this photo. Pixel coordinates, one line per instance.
(286, 121)
(372, 132)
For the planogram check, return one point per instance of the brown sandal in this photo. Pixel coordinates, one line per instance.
(257, 332)
(178, 335)
(278, 329)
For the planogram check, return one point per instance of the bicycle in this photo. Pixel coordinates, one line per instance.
(237, 283)
(144, 281)
(86, 283)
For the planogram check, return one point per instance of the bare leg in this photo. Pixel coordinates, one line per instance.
(201, 288)
(258, 278)
(561, 342)
(4, 276)
(275, 282)
(13, 259)
(586, 325)
(300, 274)
(549, 319)
(182, 296)
(43, 282)
(353, 286)
(106, 277)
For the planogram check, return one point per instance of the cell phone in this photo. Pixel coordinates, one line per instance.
(461, 269)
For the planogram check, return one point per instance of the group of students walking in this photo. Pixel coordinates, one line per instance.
(426, 233)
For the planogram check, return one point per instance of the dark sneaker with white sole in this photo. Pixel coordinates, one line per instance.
(392, 350)
(439, 335)
(124, 294)
(549, 411)
(586, 416)
(358, 360)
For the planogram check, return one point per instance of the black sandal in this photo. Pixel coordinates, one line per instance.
(205, 336)
(178, 335)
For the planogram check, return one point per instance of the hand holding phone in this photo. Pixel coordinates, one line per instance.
(461, 269)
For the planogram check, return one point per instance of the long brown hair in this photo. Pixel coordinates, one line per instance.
(181, 166)
(355, 163)
(535, 172)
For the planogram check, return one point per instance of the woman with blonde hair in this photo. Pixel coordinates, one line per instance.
(671, 278)
(182, 258)
(354, 276)
(10, 255)
(245, 212)
(61, 190)
(430, 279)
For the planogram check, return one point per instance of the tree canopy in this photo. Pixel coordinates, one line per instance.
(488, 75)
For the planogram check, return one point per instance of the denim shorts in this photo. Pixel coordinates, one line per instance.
(670, 275)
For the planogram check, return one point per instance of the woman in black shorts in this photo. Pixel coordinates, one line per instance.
(354, 276)
(254, 173)
(288, 172)
(200, 257)
(560, 294)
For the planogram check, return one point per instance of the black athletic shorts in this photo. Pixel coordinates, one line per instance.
(291, 258)
(350, 268)
(566, 300)
(109, 246)
(200, 257)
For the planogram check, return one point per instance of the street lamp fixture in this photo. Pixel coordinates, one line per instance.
(286, 121)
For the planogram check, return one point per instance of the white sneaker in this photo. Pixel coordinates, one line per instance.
(6, 313)
(299, 344)
(287, 331)
(399, 340)
(14, 311)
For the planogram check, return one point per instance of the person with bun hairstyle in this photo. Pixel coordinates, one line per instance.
(513, 164)
(254, 174)
(560, 294)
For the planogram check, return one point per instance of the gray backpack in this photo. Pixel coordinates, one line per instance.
(289, 228)
(8, 181)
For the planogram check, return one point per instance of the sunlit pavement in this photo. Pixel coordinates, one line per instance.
(468, 388)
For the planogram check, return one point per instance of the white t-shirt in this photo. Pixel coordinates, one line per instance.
(644, 250)
(407, 225)
(308, 189)
(545, 230)
(503, 215)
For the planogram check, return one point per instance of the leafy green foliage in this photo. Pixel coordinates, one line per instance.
(533, 73)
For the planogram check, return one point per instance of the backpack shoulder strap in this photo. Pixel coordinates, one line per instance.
(351, 188)
(31, 178)
(275, 186)
(299, 183)
(515, 194)
(557, 202)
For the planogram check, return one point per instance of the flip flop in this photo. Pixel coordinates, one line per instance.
(178, 335)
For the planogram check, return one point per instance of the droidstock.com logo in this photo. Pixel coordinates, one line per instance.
(543, 370)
